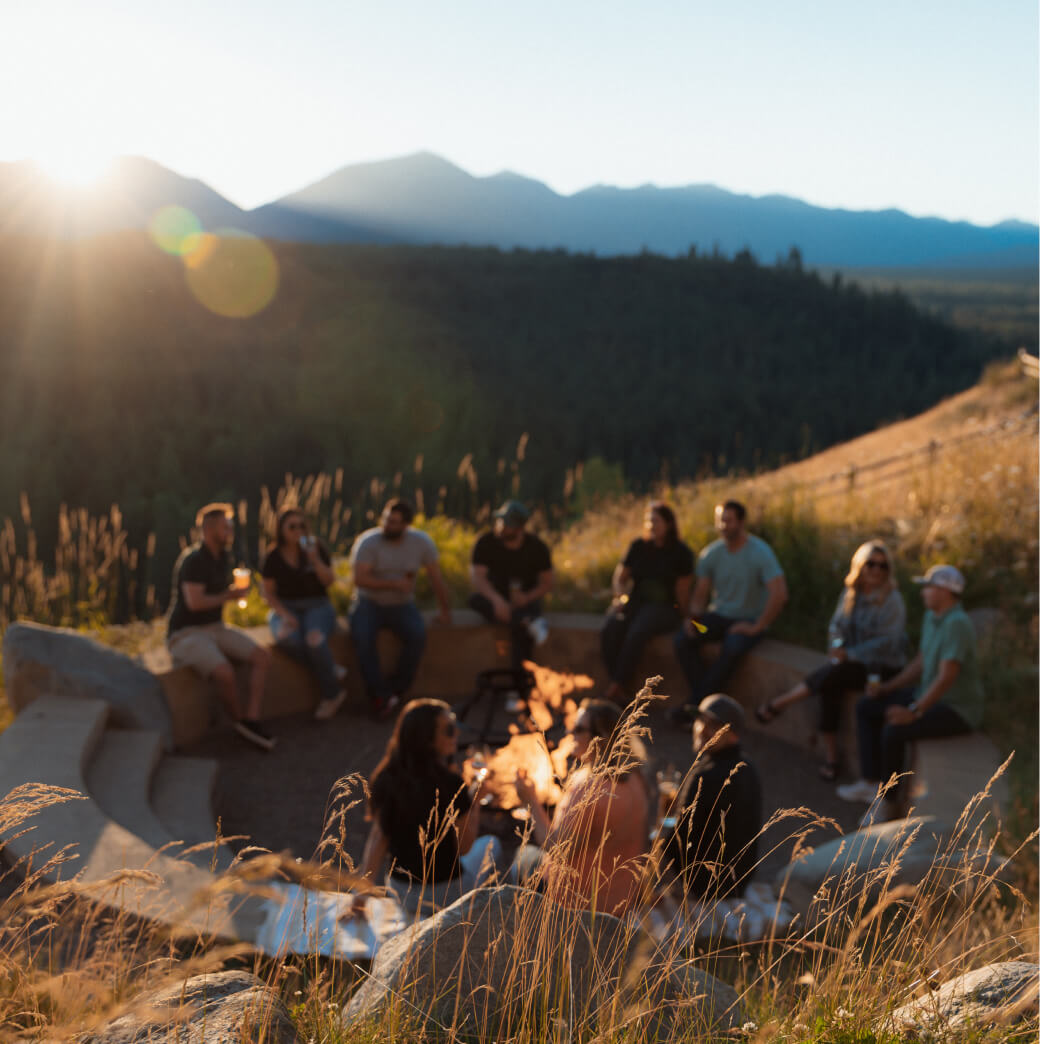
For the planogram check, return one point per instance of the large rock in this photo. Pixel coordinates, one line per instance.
(506, 962)
(54, 661)
(857, 868)
(999, 994)
(206, 1009)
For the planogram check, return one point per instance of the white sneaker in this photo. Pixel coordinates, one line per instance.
(327, 708)
(538, 629)
(861, 790)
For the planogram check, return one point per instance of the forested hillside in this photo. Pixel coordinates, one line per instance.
(119, 386)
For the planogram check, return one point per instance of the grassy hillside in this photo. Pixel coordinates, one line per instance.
(125, 377)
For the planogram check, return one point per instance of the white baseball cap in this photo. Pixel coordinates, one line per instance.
(946, 576)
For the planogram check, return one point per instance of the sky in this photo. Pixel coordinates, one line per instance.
(930, 106)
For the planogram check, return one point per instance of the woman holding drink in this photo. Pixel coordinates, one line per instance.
(867, 638)
(424, 818)
(296, 574)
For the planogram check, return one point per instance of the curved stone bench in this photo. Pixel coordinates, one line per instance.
(54, 741)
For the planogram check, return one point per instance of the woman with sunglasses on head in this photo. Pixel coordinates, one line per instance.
(593, 851)
(867, 636)
(424, 817)
(296, 574)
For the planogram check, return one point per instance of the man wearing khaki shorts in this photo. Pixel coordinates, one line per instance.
(198, 638)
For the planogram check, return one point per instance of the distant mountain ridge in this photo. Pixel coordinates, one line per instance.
(423, 198)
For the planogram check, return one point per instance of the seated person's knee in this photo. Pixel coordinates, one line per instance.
(260, 657)
(224, 674)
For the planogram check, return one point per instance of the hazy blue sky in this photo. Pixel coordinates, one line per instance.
(926, 105)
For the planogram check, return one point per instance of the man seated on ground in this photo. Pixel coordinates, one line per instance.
(386, 560)
(593, 852)
(511, 572)
(746, 585)
(196, 635)
(948, 701)
(713, 849)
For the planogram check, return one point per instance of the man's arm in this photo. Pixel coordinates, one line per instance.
(699, 601)
(907, 676)
(540, 589)
(196, 599)
(365, 576)
(440, 591)
(949, 671)
(478, 576)
(777, 599)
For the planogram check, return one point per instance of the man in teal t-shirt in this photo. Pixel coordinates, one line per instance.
(743, 580)
(947, 701)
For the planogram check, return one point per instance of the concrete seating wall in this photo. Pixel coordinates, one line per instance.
(455, 655)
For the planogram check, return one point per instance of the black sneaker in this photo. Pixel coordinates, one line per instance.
(255, 733)
(683, 716)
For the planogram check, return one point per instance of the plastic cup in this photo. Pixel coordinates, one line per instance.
(241, 581)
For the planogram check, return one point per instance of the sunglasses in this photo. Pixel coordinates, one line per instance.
(877, 563)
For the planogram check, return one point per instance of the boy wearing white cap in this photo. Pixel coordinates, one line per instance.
(947, 701)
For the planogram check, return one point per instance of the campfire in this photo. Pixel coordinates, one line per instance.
(555, 696)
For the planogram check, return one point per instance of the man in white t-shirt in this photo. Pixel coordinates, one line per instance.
(385, 561)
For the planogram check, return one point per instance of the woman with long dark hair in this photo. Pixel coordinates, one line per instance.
(867, 635)
(651, 587)
(423, 816)
(296, 574)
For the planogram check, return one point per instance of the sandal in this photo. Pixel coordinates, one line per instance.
(766, 713)
(830, 770)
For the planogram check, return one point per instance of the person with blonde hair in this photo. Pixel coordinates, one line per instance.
(867, 636)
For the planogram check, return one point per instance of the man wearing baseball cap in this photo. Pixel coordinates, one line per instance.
(714, 848)
(947, 701)
(511, 572)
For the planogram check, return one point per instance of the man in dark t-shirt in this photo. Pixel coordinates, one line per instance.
(714, 847)
(196, 635)
(511, 572)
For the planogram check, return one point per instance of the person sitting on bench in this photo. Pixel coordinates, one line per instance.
(948, 701)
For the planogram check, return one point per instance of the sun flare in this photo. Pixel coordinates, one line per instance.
(74, 166)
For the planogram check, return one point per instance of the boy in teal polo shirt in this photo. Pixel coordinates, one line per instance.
(948, 700)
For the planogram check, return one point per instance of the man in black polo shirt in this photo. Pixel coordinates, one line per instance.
(511, 572)
(714, 848)
(196, 635)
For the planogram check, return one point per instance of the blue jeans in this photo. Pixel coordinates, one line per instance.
(309, 642)
(367, 619)
(705, 680)
(882, 747)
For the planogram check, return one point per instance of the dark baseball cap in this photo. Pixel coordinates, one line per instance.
(723, 709)
(513, 513)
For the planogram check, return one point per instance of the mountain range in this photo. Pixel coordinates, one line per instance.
(424, 199)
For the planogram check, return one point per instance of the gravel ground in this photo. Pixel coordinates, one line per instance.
(278, 800)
